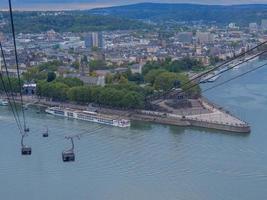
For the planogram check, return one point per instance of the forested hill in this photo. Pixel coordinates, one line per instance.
(78, 21)
(242, 14)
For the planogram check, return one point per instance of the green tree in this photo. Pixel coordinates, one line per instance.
(14, 87)
(81, 94)
(132, 100)
(109, 78)
(214, 60)
(71, 82)
(53, 90)
(59, 91)
(51, 76)
(165, 81)
(150, 66)
(33, 74)
(123, 80)
(97, 65)
(151, 76)
(50, 66)
(137, 78)
(76, 64)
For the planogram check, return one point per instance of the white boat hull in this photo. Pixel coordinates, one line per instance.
(88, 116)
(3, 102)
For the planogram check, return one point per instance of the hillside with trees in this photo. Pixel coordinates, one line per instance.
(241, 14)
(76, 21)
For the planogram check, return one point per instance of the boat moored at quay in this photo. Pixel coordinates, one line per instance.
(88, 116)
(3, 102)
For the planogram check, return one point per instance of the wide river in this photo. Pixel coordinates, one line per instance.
(146, 161)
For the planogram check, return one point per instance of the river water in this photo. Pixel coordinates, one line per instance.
(146, 161)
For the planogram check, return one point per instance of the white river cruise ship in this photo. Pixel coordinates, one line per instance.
(88, 116)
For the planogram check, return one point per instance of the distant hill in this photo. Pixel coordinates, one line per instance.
(77, 21)
(242, 14)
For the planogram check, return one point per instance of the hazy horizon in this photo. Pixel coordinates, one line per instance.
(90, 4)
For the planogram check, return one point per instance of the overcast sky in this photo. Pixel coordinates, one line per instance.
(88, 4)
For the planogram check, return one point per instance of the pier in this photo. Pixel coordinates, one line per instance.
(218, 119)
(203, 114)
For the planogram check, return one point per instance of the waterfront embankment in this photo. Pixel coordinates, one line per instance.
(211, 116)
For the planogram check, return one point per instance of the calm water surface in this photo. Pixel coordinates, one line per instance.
(146, 161)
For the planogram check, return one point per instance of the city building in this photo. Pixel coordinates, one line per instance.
(2, 37)
(94, 39)
(88, 80)
(233, 26)
(198, 50)
(136, 68)
(29, 88)
(264, 24)
(84, 66)
(88, 41)
(73, 42)
(253, 27)
(204, 37)
(185, 37)
(51, 35)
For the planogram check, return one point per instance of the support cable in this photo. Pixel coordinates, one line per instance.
(236, 77)
(11, 105)
(220, 66)
(15, 109)
(227, 62)
(16, 59)
(230, 68)
(196, 84)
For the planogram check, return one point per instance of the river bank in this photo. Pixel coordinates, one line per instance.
(203, 114)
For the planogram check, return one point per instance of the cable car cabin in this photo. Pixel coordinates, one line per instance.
(25, 150)
(45, 134)
(68, 156)
(27, 130)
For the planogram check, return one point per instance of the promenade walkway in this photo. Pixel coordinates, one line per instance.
(217, 116)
